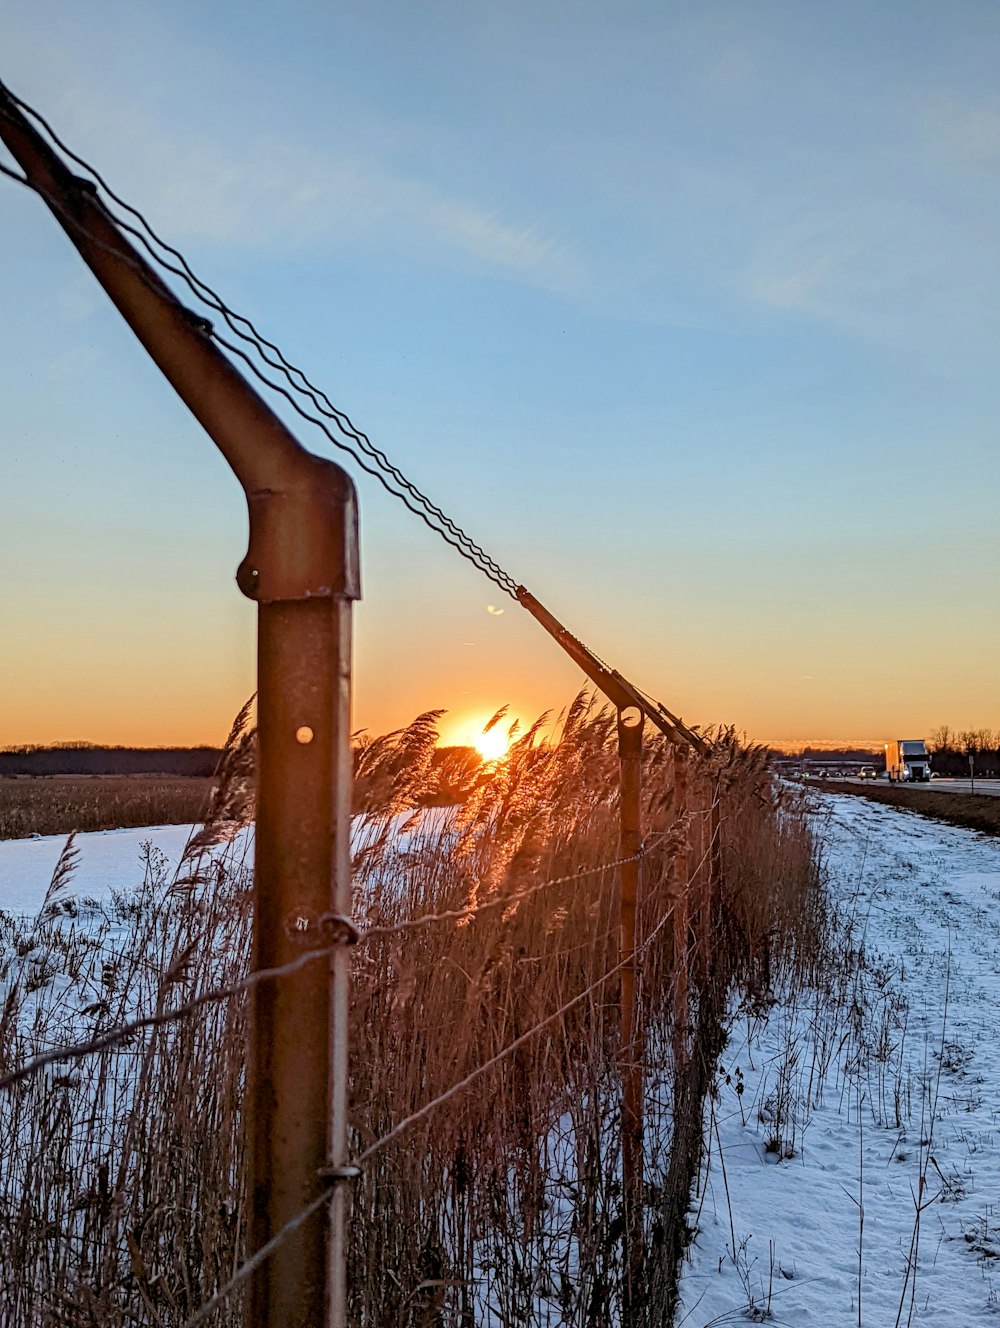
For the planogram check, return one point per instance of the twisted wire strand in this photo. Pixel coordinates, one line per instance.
(455, 536)
(495, 901)
(502, 580)
(306, 387)
(113, 1036)
(431, 514)
(236, 321)
(56, 204)
(322, 403)
(468, 549)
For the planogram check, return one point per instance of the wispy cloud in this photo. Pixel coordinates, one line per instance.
(271, 192)
(73, 364)
(893, 246)
(964, 134)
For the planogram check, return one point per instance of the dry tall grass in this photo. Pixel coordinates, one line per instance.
(59, 804)
(122, 1192)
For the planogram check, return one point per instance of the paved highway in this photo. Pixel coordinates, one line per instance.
(987, 787)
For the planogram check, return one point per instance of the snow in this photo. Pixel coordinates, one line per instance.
(856, 1103)
(908, 1108)
(110, 862)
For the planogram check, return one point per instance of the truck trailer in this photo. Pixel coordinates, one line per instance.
(907, 759)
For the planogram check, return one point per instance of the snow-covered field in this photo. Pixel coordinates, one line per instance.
(109, 861)
(854, 1171)
(846, 1126)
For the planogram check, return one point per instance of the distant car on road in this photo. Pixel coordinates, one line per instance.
(867, 772)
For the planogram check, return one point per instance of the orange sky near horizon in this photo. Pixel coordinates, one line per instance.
(155, 689)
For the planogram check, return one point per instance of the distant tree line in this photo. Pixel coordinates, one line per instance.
(77, 758)
(445, 777)
(867, 755)
(951, 750)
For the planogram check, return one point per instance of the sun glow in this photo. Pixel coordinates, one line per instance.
(491, 746)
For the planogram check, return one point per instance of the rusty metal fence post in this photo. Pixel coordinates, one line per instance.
(302, 569)
(679, 904)
(630, 725)
(297, 1080)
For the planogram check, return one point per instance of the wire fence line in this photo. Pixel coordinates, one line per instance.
(351, 934)
(388, 475)
(354, 441)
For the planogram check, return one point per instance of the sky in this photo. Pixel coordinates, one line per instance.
(687, 313)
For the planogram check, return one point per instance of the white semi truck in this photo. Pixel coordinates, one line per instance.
(907, 759)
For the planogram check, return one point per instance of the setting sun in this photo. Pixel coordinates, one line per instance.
(492, 745)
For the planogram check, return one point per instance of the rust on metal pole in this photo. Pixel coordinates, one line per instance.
(302, 568)
(630, 725)
(298, 1074)
(679, 903)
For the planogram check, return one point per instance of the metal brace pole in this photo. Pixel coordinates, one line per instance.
(302, 569)
(630, 726)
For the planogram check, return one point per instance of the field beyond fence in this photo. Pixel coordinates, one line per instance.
(58, 804)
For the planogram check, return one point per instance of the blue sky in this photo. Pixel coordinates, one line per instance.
(688, 313)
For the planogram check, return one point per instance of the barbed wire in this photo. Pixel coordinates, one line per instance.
(321, 402)
(500, 579)
(255, 1261)
(124, 1031)
(436, 519)
(402, 1126)
(468, 549)
(352, 934)
(145, 274)
(470, 911)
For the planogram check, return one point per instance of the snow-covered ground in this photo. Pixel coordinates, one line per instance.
(110, 861)
(846, 1125)
(113, 861)
(835, 1120)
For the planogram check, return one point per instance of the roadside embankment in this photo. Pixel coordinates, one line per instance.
(975, 811)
